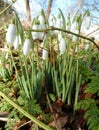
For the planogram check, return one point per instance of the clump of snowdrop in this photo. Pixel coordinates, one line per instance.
(11, 33)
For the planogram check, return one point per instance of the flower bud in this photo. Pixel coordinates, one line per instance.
(11, 33)
(27, 46)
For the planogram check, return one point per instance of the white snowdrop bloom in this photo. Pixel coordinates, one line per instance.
(74, 26)
(58, 23)
(6, 56)
(59, 36)
(20, 41)
(26, 46)
(11, 33)
(68, 27)
(76, 49)
(62, 46)
(35, 35)
(87, 22)
(75, 37)
(16, 42)
(42, 21)
(42, 44)
(51, 21)
(44, 54)
(87, 47)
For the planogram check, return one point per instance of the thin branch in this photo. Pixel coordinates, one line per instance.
(51, 28)
(24, 124)
(92, 32)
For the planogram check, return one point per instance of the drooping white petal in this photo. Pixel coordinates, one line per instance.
(58, 23)
(75, 37)
(42, 20)
(51, 21)
(44, 54)
(42, 44)
(35, 35)
(11, 33)
(26, 46)
(87, 47)
(62, 46)
(74, 27)
(16, 42)
(88, 22)
(59, 36)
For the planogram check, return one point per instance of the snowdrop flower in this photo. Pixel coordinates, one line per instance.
(27, 46)
(88, 21)
(75, 37)
(58, 22)
(6, 56)
(16, 42)
(42, 44)
(74, 26)
(87, 47)
(62, 46)
(35, 26)
(51, 21)
(44, 54)
(68, 22)
(11, 33)
(59, 36)
(41, 19)
(68, 26)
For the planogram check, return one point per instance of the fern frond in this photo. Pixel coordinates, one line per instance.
(84, 104)
(92, 116)
(93, 86)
